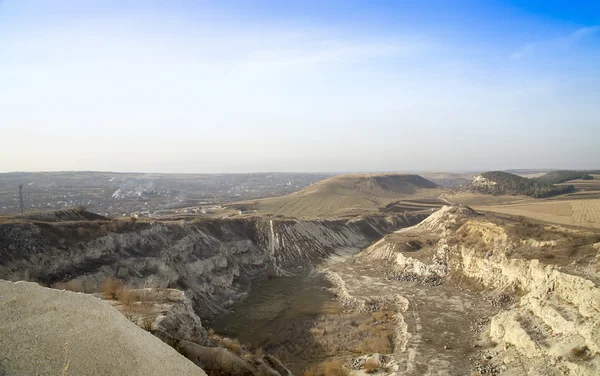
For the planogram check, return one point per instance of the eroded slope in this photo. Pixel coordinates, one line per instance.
(480, 294)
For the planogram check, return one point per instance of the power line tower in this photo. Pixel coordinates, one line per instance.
(21, 196)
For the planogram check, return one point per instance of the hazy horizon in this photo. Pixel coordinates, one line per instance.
(298, 86)
(304, 172)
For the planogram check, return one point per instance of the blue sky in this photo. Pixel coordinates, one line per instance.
(245, 86)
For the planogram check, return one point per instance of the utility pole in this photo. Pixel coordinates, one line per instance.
(21, 196)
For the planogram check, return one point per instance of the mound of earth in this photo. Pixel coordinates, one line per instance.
(354, 194)
(52, 332)
(370, 184)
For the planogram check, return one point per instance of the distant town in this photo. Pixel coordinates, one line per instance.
(142, 195)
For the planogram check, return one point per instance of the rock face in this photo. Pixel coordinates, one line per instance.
(212, 261)
(548, 313)
(45, 332)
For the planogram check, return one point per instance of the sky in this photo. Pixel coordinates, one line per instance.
(304, 86)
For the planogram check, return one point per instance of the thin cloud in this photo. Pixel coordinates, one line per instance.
(323, 53)
(555, 44)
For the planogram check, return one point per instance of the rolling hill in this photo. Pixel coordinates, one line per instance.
(504, 183)
(347, 195)
(557, 177)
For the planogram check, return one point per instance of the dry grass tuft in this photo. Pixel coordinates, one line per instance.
(232, 345)
(111, 287)
(333, 368)
(372, 365)
(147, 318)
(126, 296)
(377, 344)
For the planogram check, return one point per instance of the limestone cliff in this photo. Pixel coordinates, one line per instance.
(544, 279)
(214, 261)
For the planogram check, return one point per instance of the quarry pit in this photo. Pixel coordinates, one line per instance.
(453, 292)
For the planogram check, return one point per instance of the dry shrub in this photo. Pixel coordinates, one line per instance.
(259, 352)
(312, 371)
(581, 352)
(111, 287)
(210, 332)
(127, 297)
(333, 368)
(377, 344)
(381, 316)
(226, 365)
(232, 345)
(147, 321)
(372, 365)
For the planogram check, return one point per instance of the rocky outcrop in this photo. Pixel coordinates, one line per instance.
(549, 317)
(213, 261)
(219, 361)
(51, 332)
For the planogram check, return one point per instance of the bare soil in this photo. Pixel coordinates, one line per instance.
(301, 323)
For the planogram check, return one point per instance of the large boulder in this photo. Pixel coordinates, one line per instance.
(45, 331)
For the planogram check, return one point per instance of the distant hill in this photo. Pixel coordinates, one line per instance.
(370, 184)
(557, 177)
(353, 194)
(499, 182)
(449, 179)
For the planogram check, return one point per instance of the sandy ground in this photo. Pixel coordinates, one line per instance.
(37, 322)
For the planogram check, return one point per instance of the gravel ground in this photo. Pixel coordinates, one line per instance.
(37, 322)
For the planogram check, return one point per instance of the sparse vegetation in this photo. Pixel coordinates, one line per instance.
(580, 352)
(111, 287)
(147, 316)
(557, 177)
(231, 345)
(511, 184)
(332, 368)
